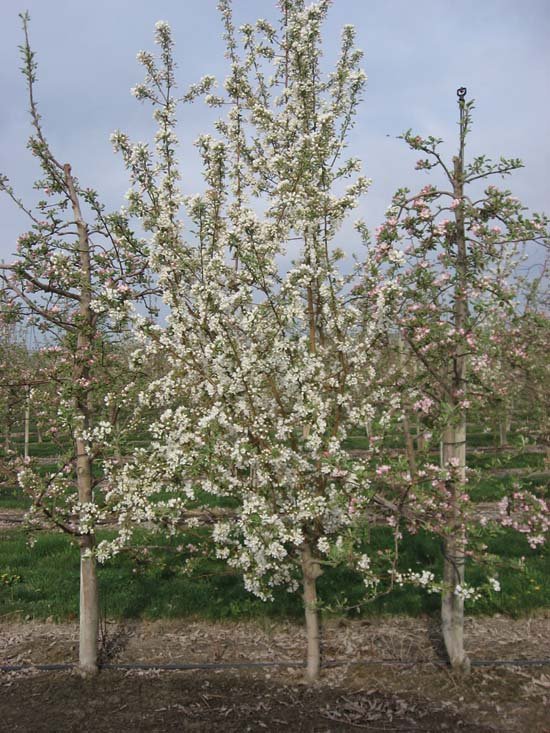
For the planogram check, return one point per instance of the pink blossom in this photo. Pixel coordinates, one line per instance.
(423, 405)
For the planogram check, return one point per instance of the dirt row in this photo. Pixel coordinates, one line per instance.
(390, 692)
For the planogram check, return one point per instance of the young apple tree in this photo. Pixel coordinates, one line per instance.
(72, 275)
(462, 245)
(270, 361)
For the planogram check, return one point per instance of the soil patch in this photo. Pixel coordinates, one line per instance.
(187, 701)
(378, 697)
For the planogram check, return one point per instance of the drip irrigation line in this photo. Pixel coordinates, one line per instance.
(175, 667)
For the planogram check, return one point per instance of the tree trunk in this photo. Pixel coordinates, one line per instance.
(311, 570)
(509, 412)
(502, 432)
(453, 444)
(89, 594)
(117, 450)
(368, 428)
(452, 605)
(89, 597)
(409, 443)
(420, 438)
(89, 609)
(504, 425)
(27, 425)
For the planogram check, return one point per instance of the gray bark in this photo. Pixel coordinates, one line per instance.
(453, 444)
(420, 439)
(311, 570)
(89, 611)
(89, 597)
(409, 442)
(452, 605)
(27, 425)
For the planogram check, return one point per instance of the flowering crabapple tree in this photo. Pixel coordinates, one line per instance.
(462, 246)
(73, 273)
(270, 362)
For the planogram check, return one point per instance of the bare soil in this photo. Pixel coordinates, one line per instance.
(388, 694)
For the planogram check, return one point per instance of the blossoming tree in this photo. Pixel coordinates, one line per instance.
(462, 245)
(72, 274)
(270, 359)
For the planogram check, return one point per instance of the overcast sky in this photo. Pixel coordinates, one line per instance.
(416, 55)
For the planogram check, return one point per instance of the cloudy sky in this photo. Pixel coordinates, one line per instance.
(416, 55)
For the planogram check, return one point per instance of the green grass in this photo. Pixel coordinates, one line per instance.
(491, 488)
(49, 576)
(11, 497)
(482, 461)
(36, 450)
(357, 442)
(49, 572)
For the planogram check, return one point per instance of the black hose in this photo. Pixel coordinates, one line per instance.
(255, 665)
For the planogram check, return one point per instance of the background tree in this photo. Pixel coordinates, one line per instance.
(17, 375)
